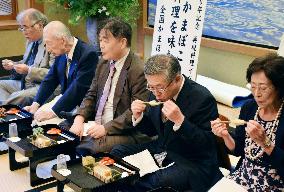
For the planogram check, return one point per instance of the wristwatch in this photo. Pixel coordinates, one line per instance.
(267, 142)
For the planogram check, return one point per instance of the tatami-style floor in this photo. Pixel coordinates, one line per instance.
(14, 181)
(18, 181)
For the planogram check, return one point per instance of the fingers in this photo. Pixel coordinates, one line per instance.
(137, 108)
(27, 108)
(171, 110)
(138, 105)
(219, 129)
(255, 131)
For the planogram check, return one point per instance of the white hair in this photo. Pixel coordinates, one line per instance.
(33, 15)
(58, 30)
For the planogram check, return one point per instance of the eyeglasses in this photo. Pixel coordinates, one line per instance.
(25, 28)
(159, 90)
(261, 88)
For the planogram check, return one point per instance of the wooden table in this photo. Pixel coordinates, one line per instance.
(38, 155)
(81, 181)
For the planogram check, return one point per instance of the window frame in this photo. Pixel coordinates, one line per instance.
(14, 12)
(10, 23)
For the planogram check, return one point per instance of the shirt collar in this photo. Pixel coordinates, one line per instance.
(121, 60)
(71, 52)
(182, 83)
(39, 41)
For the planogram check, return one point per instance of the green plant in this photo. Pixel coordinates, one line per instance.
(128, 10)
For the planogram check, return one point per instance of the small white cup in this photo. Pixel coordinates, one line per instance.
(13, 130)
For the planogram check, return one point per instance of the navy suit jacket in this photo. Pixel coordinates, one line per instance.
(73, 88)
(276, 159)
(192, 146)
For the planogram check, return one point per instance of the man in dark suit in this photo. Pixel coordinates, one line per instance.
(182, 121)
(73, 70)
(119, 79)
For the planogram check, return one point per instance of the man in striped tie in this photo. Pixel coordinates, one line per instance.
(28, 73)
(119, 79)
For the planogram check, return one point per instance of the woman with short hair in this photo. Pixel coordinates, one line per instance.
(260, 142)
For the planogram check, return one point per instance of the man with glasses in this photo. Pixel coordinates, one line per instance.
(28, 73)
(185, 142)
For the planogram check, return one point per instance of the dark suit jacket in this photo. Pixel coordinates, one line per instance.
(131, 85)
(193, 145)
(74, 88)
(276, 159)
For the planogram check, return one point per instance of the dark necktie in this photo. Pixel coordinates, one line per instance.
(33, 53)
(30, 62)
(105, 94)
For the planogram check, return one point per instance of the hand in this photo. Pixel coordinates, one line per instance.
(32, 108)
(97, 131)
(78, 126)
(137, 108)
(256, 132)
(21, 68)
(8, 64)
(41, 115)
(172, 112)
(219, 129)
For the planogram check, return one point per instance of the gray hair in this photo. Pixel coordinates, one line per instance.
(163, 64)
(59, 30)
(33, 15)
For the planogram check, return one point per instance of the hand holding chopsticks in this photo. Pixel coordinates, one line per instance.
(236, 122)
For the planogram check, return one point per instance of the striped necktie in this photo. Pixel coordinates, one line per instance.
(105, 94)
(33, 53)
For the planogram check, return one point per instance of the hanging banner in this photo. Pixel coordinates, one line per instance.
(178, 31)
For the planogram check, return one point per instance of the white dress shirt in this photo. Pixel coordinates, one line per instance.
(108, 109)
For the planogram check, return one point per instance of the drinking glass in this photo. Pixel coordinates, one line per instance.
(61, 162)
(13, 130)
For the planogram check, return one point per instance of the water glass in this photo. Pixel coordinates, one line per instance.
(13, 130)
(61, 162)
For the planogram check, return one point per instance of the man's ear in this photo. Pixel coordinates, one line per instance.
(63, 41)
(178, 78)
(123, 43)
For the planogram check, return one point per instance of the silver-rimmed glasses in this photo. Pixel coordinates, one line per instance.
(158, 89)
(25, 28)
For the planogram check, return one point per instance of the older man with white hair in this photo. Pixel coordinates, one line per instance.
(28, 73)
(73, 70)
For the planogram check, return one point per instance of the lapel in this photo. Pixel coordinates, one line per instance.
(74, 63)
(182, 102)
(155, 114)
(280, 131)
(62, 69)
(40, 54)
(28, 51)
(72, 69)
(121, 81)
(101, 76)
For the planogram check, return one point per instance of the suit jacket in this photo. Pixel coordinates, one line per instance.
(43, 61)
(276, 159)
(73, 88)
(131, 85)
(192, 146)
